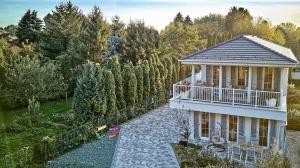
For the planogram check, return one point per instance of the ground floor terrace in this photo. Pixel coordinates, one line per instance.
(242, 130)
(147, 142)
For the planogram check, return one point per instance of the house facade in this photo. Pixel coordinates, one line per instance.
(240, 91)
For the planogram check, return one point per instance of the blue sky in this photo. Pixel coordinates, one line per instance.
(157, 13)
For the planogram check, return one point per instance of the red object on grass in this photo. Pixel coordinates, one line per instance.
(113, 135)
(114, 129)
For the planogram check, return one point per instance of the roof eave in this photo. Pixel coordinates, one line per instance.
(237, 63)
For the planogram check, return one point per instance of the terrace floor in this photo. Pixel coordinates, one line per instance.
(146, 141)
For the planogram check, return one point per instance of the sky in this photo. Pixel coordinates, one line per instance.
(157, 13)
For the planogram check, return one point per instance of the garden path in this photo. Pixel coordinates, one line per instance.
(146, 141)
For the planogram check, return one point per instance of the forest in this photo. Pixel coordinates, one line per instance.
(108, 69)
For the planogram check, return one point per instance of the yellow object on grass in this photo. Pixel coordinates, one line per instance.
(101, 128)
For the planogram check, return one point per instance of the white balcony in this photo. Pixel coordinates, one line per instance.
(253, 98)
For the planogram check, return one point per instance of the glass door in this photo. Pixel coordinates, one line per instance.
(205, 125)
(263, 132)
(233, 128)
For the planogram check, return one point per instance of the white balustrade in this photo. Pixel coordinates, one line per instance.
(257, 98)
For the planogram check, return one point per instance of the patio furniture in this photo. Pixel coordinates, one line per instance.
(271, 102)
(250, 156)
(236, 153)
(217, 144)
(241, 139)
(254, 141)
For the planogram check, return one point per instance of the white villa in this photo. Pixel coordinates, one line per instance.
(241, 90)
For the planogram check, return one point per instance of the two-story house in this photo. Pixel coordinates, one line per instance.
(241, 88)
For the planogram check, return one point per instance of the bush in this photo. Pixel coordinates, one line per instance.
(67, 118)
(275, 161)
(194, 156)
(293, 95)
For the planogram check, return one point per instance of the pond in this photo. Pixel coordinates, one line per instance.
(98, 153)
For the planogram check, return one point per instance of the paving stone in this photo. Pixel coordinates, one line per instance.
(146, 141)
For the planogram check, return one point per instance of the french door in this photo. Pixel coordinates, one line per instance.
(233, 128)
(263, 132)
(205, 125)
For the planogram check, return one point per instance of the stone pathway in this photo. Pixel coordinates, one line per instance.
(146, 141)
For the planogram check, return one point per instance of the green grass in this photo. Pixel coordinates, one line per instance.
(11, 142)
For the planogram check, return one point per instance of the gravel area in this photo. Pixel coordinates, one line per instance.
(146, 141)
(293, 139)
(98, 153)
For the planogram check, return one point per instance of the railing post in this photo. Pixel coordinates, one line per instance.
(233, 97)
(211, 94)
(255, 98)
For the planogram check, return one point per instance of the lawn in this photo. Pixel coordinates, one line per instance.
(51, 124)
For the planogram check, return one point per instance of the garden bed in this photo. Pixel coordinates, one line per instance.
(195, 156)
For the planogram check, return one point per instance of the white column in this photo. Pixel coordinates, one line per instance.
(193, 76)
(193, 82)
(249, 84)
(203, 73)
(218, 120)
(283, 88)
(228, 76)
(248, 129)
(263, 79)
(273, 78)
(254, 78)
(269, 138)
(191, 124)
(220, 81)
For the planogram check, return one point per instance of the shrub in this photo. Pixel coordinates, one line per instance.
(275, 160)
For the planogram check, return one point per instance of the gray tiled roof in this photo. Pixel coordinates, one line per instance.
(245, 49)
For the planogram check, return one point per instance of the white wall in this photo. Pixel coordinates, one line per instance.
(229, 109)
(296, 75)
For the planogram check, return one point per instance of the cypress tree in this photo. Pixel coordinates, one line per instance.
(158, 83)
(182, 72)
(140, 83)
(169, 80)
(100, 100)
(174, 74)
(130, 85)
(115, 68)
(86, 91)
(153, 87)
(162, 73)
(112, 114)
(146, 87)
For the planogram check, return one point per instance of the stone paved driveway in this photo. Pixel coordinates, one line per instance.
(146, 142)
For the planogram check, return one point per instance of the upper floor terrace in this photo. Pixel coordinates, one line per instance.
(245, 72)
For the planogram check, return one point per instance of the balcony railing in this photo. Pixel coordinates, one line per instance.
(255, 98)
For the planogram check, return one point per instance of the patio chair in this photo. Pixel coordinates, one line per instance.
(250, 156)
(254, 141)
(236, 153)
(241, 139)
